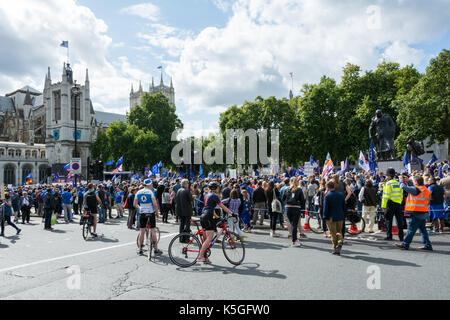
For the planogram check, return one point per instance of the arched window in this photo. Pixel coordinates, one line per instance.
(27, 154)
(43, 154)
(11, 153)
(9, 174)
(18, 153)
(34, 154)
(2, 152)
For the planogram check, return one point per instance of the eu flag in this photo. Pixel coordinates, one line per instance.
(109, 163)
(432, 160)
(119, 162)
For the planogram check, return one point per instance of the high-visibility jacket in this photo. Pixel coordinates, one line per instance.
(393, 192)
(420, 202)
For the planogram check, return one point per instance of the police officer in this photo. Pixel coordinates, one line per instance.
(391, 203)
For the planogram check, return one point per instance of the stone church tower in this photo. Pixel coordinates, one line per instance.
(61, 105)
(168, 91)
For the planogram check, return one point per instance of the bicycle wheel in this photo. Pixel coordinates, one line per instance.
(354, 224)
(86, 230)
(233, 249)
(144, 244)
(150, 248)
(314, 222)
(158, 234)
(184, 254)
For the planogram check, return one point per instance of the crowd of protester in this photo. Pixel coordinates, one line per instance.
(280, 199)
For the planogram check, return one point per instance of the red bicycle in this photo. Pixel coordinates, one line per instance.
(186, 253)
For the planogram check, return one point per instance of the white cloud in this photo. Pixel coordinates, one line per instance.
(30, 34)
(266, 40)
(146, 11)
(400, 52)
(223, 5)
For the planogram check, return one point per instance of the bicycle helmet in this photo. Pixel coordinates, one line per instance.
(213, 186)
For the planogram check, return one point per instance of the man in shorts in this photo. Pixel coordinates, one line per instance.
(145, 202)
(90, 203)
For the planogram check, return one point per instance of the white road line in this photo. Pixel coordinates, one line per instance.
(74, 255)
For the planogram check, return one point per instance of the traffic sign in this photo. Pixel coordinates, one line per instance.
(75, 166)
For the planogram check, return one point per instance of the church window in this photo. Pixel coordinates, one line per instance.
(57, 100)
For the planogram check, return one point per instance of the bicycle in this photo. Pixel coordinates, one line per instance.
(148, 244)
(314, 222)
(186, 254)
(88, 223)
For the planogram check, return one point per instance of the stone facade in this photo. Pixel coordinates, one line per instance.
(168, 91)
(37, 130)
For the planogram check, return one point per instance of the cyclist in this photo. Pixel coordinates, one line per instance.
(145, 202)
(207, 220)
(90, 202)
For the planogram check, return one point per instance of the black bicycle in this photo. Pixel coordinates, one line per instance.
(354, 223)
(88, 224)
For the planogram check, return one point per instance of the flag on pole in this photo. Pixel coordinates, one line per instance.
(64, 44)
(29, 179)
(200, 173)
(363, 163)
(164, 174)
(155, 170)
(67, 167)
(328, 167)
(373, 159)
(160, 164)
(346, 166)
(109, 163)
(119, 169)
(119, 162)
(405, 162)
(432, 160)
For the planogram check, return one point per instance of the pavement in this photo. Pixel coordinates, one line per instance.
(61, 265)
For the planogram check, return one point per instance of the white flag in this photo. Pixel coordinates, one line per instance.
(363, 162)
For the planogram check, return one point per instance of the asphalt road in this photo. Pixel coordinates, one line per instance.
(60, 265)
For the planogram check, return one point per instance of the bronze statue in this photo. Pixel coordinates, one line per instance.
(415, 148)
(382, 130)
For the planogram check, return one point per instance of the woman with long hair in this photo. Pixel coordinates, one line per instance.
(294, 202)
(272, 194)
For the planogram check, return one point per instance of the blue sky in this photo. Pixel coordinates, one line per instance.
(219, 52)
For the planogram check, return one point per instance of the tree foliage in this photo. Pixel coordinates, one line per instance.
(144, 139)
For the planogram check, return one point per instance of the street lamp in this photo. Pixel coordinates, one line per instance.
(76, 92)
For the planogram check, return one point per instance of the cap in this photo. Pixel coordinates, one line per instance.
(148, 182)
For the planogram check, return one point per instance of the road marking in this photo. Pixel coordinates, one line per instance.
(74, 255)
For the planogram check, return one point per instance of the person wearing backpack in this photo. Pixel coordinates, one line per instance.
(274, 205)
(368, 197)
(294, 200)
(6, 213)
(90, 202)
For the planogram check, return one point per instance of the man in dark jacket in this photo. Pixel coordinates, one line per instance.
(259, 201)
(49, 206)
(26, 203)
(184, 207)
(334, 214)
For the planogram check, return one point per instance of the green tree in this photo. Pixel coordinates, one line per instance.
(424, 110)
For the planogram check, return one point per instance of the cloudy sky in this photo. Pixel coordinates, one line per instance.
(219, 52)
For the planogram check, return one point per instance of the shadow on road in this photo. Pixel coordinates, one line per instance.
(264, 245)
(2, 246)
(246, 269)
(374, 260)
(102, 238)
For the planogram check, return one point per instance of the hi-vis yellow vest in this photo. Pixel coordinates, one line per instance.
(393, 192)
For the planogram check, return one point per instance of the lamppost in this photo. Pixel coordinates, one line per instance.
(76, 91)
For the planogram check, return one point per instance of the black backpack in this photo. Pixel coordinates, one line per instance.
(291, 198)
(91, 199)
